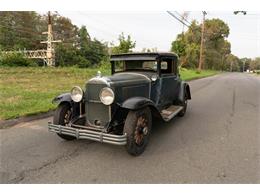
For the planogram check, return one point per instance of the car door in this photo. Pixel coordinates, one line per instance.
(170, 82)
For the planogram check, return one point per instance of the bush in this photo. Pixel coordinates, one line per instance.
(16, 60)
(83, 62)
(182, 68)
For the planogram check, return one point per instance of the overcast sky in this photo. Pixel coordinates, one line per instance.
(158, 29)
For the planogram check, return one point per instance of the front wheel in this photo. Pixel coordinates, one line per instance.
(62, 116)
(138, 126)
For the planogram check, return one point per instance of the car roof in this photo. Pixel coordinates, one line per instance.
(142, 56)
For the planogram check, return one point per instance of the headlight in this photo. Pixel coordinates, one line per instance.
(76, 94)
(107, 96)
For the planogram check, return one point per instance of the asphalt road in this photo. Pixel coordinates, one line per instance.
(216, 142)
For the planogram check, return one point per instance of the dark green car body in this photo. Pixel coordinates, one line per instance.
(144, 80)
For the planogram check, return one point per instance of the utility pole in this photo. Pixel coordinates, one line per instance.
(244, 62)
(48, 55)
(50, 46)
(202, 41)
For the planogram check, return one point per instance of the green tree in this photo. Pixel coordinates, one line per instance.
(255, 64)
(63, 29)
(244, 64)
(216, 47)
(23, 30)
(232, 63)
(66, 54)
(93, 51)
(179, 45)
(20, 30)
(125, 44)
(16, 59)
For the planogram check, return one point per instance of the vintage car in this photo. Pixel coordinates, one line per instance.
(119, 109)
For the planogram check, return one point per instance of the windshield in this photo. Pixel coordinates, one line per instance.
(135, 65)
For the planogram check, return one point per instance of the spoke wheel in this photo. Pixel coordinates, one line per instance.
(138, 127)
(62, 116)
(141, 130)
(67, 117)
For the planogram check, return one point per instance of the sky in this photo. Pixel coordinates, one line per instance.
(159, 29)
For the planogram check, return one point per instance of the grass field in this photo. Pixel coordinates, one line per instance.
(29, 90)
(193, 74)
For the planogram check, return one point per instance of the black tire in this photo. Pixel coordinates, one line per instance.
(59, 119)
(183, 111)
(138, 127)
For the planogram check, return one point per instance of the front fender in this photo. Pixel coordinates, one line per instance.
(136, 103)
(65, 97)
(77, 109)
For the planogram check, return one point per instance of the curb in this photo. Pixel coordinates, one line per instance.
(12, 122)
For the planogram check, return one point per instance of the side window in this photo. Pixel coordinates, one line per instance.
(164, 65)
(167, 66)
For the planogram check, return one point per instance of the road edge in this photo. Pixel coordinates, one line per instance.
(12, 122)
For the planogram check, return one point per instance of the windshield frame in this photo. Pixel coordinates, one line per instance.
(113, 67)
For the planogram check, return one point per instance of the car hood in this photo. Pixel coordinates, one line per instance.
(120, 79)
(125, 85)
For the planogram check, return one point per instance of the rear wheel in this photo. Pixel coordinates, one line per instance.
(62, 116)
(138, 126)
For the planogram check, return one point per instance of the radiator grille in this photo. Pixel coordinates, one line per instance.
(95, 109)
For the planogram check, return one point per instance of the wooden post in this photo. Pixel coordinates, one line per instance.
(202, 42)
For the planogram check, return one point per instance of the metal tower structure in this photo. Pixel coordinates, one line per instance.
(50, 52)
(47, 55)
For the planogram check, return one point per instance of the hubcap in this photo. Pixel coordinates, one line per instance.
(145, 130)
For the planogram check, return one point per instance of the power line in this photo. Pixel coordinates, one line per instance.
(183, 18)
(97, 28)
(108, 25)
(190, 27)
(177, 18)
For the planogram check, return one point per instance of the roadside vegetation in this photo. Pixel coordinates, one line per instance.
(190, 74)
(30, 90)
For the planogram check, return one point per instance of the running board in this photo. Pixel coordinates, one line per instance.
(170, 112)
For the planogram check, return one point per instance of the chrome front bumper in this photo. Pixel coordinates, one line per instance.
(88, 133)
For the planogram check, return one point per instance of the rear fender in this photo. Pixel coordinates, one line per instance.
(184, 92)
